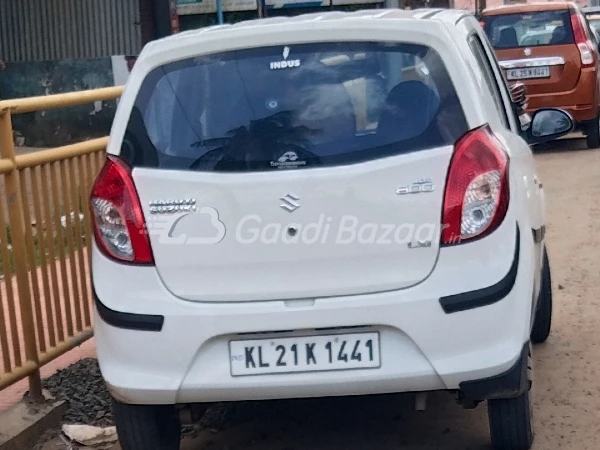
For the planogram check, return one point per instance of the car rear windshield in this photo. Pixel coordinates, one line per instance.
(293, 107)
(529, 29)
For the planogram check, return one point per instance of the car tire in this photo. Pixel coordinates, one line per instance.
(543, 316)
(592, 137)
(511, 419)
(147, 427)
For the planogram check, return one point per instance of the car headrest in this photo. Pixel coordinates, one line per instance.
(508, 38)
(558, 35)
(409, 109)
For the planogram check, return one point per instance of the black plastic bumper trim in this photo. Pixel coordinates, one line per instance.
(509, 384)
(129, 321)
(486, 296)
(538, 235)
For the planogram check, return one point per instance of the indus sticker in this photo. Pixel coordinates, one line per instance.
(285, 63)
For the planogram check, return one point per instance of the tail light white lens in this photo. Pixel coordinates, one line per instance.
(477, 191)
(583, 43)
(119, 226)
(586, 54)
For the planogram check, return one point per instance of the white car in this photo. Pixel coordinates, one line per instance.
(325, 205)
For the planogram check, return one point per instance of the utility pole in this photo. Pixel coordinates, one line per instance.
(220, 12)
(173, 16)
(162, 18)
(261, 8)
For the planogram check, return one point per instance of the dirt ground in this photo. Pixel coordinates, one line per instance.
(567, 389)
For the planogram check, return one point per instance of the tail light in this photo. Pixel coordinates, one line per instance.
(586, 49)
(477, 192)
(119, 226)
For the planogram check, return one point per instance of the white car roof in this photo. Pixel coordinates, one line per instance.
(312, 21)
(438, 14)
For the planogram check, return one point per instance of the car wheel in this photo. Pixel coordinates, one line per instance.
(543, 316)
(147, 427)
(511, 419)
(592, 137)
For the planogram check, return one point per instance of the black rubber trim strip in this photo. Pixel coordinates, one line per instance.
(538, 235)
(461, 17)
(486, 296)
(129, 321)
(509, 384)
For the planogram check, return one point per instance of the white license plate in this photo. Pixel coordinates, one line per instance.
(528, 72)
(305, 354)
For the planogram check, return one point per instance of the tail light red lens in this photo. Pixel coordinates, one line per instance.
(477, 192)
(584, 45)
(119, 225)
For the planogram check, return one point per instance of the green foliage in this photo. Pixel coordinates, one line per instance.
(56, 243)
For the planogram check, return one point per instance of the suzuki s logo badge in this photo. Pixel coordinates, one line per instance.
(527, 51)
(290, 202)
(419, 186)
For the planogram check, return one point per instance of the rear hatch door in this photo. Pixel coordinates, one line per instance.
(294, 171)
(277, 236)
(537, 48)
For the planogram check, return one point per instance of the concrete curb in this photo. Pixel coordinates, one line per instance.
(22, 425)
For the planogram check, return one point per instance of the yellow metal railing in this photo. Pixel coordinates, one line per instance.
(45, 292)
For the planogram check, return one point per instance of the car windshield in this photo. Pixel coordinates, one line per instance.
(529, 29)
(293, 107)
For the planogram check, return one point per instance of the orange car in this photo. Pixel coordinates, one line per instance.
(550, 48)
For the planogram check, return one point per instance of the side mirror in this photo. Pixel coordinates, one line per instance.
(548, 124)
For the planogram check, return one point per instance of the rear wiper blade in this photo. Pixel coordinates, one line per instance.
(212, 155)
(221, 142)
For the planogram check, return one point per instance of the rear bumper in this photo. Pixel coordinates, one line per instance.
(508, 384)
(174, 351)
(581, 102)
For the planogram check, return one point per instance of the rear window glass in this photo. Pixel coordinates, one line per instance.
(529, 29)
(293, 107)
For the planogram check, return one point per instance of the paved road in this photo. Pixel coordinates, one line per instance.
(567, 413)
